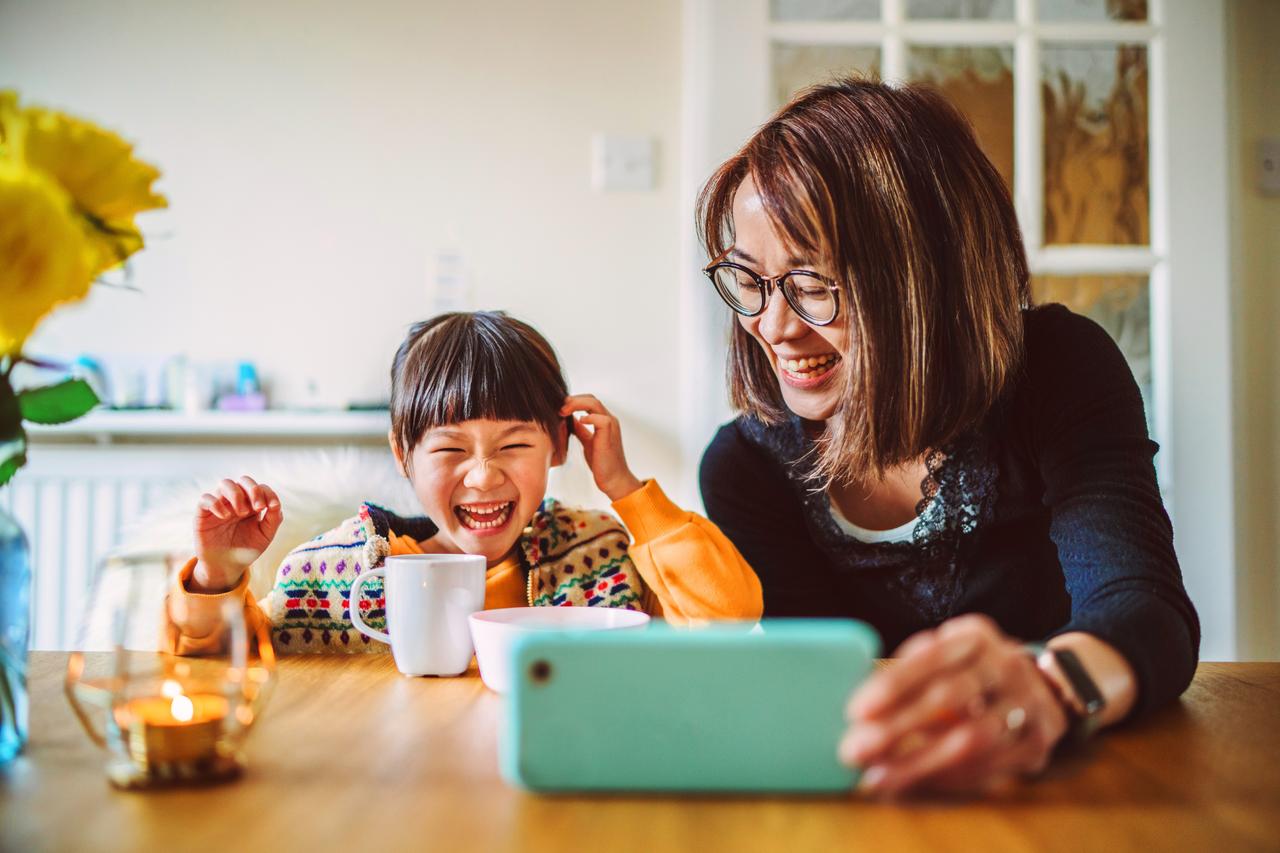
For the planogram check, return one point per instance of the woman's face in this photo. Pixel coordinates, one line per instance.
(806, 359)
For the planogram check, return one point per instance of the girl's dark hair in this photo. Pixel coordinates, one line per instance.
(473, 365)
(889, 186)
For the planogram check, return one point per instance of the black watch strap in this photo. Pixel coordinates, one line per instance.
(1084, 721)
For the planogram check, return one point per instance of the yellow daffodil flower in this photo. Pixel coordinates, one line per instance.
(44, 257)
(108, 186)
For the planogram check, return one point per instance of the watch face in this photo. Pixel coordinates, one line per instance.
(1086, 691)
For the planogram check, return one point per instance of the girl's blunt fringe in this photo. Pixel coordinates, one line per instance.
(473, 365)
(890, 185)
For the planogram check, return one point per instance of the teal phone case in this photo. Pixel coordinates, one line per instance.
(721, 708)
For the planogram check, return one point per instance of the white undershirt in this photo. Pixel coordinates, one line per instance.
(902, 533)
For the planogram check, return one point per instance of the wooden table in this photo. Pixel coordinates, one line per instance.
(352, 756)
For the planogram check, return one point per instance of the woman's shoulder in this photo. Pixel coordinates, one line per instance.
(1071, 365)
(748, 437)
(1057, 338)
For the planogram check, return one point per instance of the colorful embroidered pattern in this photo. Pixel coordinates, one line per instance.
(576, 558)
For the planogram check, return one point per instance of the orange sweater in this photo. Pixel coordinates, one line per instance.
(692, 571)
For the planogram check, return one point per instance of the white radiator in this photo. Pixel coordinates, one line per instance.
(71, 523)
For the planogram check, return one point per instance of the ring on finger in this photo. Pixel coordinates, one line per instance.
(1015, 721)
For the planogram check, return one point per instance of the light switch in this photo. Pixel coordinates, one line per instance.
(1269, 166)
(622, 162)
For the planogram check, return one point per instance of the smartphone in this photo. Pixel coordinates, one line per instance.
(725, 708)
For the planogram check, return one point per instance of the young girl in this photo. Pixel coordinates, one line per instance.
(479, 414)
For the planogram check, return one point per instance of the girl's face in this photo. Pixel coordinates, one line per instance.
(481, 481)
(806, 359)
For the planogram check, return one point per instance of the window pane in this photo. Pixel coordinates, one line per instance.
(1121, 304)
(1093, 10)
(963, 9)
(796, 66)
(1095, 144)
(824, 10)
(978, 80)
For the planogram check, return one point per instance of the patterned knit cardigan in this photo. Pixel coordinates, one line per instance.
(572, 557)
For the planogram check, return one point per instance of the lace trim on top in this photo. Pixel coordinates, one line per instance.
(957, 498)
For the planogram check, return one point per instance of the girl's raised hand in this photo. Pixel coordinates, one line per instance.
(601, 437)
(234, 524)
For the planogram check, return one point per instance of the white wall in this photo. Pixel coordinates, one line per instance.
(318, 154)
(1253, 32)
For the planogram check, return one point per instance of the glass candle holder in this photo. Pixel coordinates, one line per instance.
(166, 718)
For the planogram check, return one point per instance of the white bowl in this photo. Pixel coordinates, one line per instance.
(495, 631)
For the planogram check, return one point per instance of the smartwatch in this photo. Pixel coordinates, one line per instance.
(1076, 689)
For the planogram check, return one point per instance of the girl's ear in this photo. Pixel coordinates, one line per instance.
(395, 451)
(560, 443)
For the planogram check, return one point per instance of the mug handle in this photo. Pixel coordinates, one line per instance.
(353, 606)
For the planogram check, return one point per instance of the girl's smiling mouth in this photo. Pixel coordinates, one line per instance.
(484, 517)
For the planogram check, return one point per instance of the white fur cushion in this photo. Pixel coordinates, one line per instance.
(317, 490)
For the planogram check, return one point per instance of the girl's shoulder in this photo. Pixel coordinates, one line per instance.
(557, 528)
(579, 556)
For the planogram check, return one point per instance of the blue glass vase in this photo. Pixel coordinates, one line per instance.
(15, 595)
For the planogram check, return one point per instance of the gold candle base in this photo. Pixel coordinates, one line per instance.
(134, 776)
(157, 749)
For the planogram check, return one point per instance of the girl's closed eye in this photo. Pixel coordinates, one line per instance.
(516, 446)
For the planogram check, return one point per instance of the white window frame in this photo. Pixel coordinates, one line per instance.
(727, 95)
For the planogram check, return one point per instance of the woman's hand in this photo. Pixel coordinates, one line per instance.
(963, 709)
(601, 438)
(234, 524)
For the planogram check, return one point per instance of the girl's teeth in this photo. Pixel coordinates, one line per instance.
(498, 515)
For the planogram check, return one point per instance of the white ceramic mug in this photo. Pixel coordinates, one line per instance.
(429, 597)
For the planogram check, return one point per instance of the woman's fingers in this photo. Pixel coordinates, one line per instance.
(1009, 732)
(905, 676)
(945, 702)
(950, 749)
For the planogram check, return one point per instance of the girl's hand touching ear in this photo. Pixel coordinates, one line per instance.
(234, 524)
(601, 438)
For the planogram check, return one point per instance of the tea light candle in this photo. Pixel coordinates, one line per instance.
(175, 734)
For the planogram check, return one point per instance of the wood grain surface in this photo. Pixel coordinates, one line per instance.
(350, 755)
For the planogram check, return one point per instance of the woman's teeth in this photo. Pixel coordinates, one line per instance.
(808, 368)
(484, 516)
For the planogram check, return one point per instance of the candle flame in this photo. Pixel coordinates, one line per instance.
(170, 688)
(182, 708)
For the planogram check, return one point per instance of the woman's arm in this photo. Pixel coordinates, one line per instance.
(1088, 434)
(965, 707)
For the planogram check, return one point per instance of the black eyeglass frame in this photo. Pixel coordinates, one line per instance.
(766, 285)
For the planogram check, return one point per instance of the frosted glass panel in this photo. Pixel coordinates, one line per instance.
(971, 10)
(978, 80)
(1093, 10)
(1121, 304)
(1095, 144)
(824, 10)
(796, 66)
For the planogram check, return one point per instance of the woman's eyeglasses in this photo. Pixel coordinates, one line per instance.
(815, 298)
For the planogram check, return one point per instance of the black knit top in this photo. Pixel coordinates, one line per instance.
(1048, 519)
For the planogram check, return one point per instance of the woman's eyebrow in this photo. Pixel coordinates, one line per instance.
(794, 260)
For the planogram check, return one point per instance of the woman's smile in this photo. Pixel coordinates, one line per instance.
(806, 371)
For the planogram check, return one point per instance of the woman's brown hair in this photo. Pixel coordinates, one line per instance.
(473, 365)
(889, 187)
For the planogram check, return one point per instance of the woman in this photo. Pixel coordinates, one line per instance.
(921, 449)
